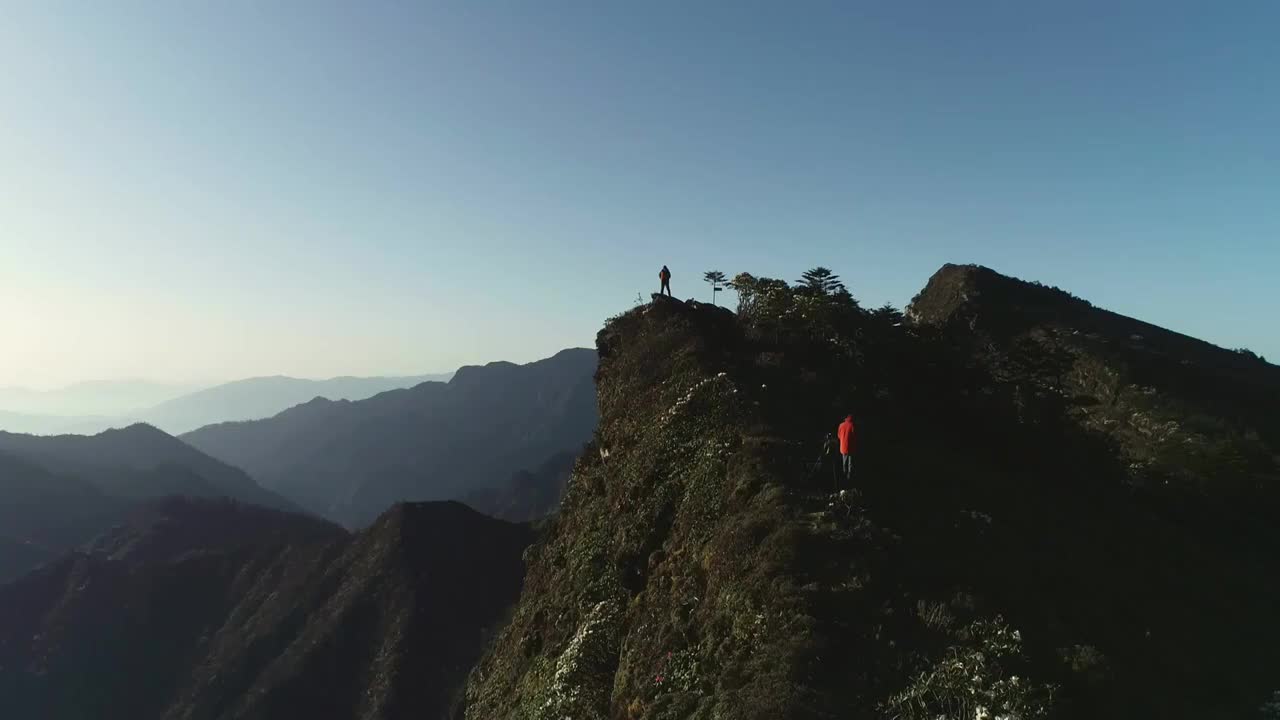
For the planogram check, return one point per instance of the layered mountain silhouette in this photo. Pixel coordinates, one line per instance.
(1056, 511)
(263, 397)
(348, 461)
(117, 405)
(59, 491)
(136, 462)
(209, 609)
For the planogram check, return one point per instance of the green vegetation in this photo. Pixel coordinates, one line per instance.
(1251, 354)
(821, 281)
(971, 680)
(1016, 546)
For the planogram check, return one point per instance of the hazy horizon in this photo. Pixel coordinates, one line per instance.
(90, 407)
(200, 193)
(196, 386)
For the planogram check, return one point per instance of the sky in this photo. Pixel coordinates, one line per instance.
(196, 192)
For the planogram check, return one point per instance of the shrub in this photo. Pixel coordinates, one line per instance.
(971, 683)
(1270, 710)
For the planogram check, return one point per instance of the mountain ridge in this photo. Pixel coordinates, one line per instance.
(347, 460)
(294, 621)
(262, 397)
(1209, 407)
(57, 492)
(117, 454)
(1021, 538)
(955, 291)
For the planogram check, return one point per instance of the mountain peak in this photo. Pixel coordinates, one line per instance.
(431, 524)
(468, 374)
(958, 292)
(138, 430)
(569, 357)
(133, 463)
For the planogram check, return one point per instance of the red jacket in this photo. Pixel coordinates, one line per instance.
(846, 435)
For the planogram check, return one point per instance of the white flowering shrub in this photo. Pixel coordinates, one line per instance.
(971, 683)
(679, 671)
(580, 686)
(1270, 710)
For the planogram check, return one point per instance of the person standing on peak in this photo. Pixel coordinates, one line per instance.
(665, 276)
(846, 433)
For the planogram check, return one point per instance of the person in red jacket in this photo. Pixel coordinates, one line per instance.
(665, 276)
(847, 435)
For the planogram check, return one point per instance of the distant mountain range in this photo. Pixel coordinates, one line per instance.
(263, 397)
(210, 609)
(89, 408)
(347, 460)
(58, 492)
(350, 460)
(137, 462)
(92, 398)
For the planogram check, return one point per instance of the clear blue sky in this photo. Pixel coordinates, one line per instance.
(201, 191)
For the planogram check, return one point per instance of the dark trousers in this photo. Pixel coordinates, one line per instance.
(666, 287)
(847, 465)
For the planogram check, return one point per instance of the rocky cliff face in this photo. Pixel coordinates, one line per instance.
(1001, 550)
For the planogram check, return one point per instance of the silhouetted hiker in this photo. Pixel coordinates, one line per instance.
(829, 456)
(846, 434)
(665, 276)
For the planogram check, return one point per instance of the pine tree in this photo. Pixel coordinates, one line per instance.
(822, 281)
(888, 314)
